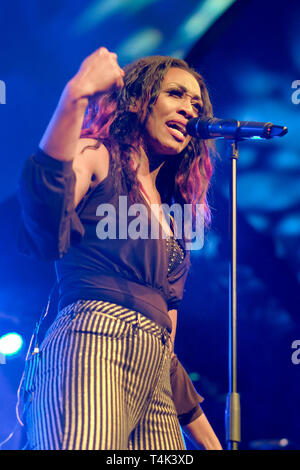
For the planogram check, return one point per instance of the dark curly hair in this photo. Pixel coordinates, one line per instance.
(111, 120)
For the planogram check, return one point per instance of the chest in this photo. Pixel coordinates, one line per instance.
(153, 200)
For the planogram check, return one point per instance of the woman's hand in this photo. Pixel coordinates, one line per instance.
(98, 72)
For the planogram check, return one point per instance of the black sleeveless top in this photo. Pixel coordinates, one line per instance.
(143, 274)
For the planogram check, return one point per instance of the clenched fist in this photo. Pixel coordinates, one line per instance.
(98, 72)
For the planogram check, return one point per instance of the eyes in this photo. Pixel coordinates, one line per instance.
(180, 94)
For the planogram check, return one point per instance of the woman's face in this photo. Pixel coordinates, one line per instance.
(178, 101)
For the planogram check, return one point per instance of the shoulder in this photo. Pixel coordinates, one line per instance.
(91, 158)
(90, 165)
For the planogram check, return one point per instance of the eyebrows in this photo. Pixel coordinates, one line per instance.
(182, 88)
(185, 90)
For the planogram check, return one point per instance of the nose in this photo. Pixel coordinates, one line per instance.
(186, 108)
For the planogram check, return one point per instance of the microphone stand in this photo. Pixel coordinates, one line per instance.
(232, 412)
(232, 130)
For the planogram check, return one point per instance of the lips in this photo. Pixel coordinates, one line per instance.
(177, 129)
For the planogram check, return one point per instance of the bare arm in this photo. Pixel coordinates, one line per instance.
(61, 140)
(54, 181)
(199, 430)
(98, 72)
(202, 434)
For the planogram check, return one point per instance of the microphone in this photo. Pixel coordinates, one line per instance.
(213, 128)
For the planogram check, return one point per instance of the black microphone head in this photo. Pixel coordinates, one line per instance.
(197, 127)
(191, 127)
(214, 128)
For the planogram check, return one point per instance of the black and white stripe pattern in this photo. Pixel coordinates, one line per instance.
(103, 382)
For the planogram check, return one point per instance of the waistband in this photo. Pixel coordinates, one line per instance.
(109, 309)
(115, 289)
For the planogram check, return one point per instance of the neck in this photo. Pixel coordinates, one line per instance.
(149, 167)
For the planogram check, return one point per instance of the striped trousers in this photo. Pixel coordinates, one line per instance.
(103, 382)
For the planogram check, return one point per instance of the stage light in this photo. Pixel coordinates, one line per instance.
(194, 376)
(206, 13)
(10, 344)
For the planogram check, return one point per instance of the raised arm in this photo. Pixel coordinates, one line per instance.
(98, 72)
(57, 176)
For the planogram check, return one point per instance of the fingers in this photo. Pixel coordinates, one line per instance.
(114, 60)
(100, 71)
(119, 71)
(103, 51)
